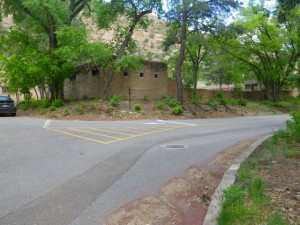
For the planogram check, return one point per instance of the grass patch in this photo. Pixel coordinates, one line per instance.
(247, 201)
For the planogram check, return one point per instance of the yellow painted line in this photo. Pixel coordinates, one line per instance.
(144, 134)
(138, 129)
(74, 135)
(109, 142)
(146, 129)
(127, 130)
(98, 134)
(114, 132)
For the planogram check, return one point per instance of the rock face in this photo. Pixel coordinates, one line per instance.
(149, 42)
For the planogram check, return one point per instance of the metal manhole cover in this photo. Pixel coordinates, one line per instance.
(174, 147)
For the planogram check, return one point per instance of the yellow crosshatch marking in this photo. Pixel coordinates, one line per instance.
(109, 135)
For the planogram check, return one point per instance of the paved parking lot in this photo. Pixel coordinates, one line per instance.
(109, 135)
(78, 172)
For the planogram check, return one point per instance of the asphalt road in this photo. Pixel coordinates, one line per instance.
(78, 172)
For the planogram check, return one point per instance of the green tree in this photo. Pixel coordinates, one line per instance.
(268, 48)
(193, 15)
(197, 49)
(221, 68)
(60, 42)
(135, 12)
(47, 17)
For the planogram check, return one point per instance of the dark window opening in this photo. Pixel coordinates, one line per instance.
(155, 75)
(126, 74)
(95, 72)
(141, 74)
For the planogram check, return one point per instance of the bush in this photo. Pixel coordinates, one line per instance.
(172, 102)
(242, 102)
(137, 107)
(222, 101)
(220, 98)
(79, 107)
(238, 88)
(33, 104)
(293, 126)
(115, 100)
(178, 110)
(195, 99)
(45, 103)
(212, 102)
(24, 105)
(160, 105)
(57, 103)
(219, 95)
(66, 112)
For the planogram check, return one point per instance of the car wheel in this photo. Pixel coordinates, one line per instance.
(14, 114)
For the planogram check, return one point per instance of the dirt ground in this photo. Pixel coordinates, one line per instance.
(101, 110)
(282, 181)
(184, 200)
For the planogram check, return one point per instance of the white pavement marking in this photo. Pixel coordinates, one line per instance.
(47, 123)
(154, 123)
(188, 124)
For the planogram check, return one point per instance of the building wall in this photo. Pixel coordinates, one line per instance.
(150, 81)
(206, 94)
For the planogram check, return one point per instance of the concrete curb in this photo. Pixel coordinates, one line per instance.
(227, 180)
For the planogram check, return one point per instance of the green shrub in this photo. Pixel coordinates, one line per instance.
(238, 88)
(115, 100)
(222, 101)
(79, 107)
(212, 102)
(178, 110)
(66, 112)
(172, 102)
(45, 103)
(31, 104)
(160, 105)
(293, 126)
(137, 107)
(242, 102)
(219, 95)
(195, 98)
(57, 103)
(24, 105)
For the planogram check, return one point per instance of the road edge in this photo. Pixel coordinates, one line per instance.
(227, 180)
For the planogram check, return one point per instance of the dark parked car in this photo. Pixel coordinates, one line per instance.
(7, 106)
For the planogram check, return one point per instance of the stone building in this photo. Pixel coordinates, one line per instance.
(150, 81)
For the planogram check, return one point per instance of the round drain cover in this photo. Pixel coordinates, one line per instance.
(174, 146)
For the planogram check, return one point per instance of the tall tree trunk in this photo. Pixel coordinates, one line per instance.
(124, 45)
(180, 60)
(53, 44)
(125, 42)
